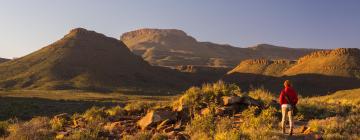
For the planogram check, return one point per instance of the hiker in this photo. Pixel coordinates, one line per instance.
(288, 99)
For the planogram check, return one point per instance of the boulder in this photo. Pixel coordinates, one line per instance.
(156, 116)
(252, 102)
(230, 100)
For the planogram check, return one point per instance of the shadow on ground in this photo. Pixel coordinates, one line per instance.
(27, 108)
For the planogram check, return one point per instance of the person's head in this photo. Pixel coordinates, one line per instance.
(287, 83)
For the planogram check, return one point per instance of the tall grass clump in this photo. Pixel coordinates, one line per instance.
(263, 95)
(37, 128)
(337, 127)
(260, 121)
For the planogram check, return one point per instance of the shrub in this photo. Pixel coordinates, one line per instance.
(95, 113)
(36, 128)
(202, 126)
(196, 98)
(3, 128)
(260, 122)
(263, 95)
(138, 136)
(115, 111)
(337, 127)
(138, 106)
(159, 136)
(225, 130)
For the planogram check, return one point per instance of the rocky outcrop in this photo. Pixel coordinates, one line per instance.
(156, 116)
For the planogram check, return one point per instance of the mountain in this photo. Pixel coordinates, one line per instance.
(263, 67)
(84, 59)
(343, 62)
(172, 47)
(3, 60)
(318, 73)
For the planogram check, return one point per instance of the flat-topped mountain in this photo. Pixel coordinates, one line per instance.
(3, 60)
(83, 59)
(171, 47)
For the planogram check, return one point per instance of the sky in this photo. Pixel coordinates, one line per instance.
(28, 25)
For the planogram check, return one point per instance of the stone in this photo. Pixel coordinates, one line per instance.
(229, 100)
(156, 116)
(252, 102)
(205, 111)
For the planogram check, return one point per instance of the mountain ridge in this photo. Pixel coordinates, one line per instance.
(172, 47)
(83, 59)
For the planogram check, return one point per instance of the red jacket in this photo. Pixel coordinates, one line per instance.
(290, 92)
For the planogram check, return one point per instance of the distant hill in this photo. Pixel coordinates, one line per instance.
(263, 67)
(172, 47)
(3, 60)
(343, 62)
(84, 59)
(315, 74)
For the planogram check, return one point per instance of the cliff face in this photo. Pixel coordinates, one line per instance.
(171, 47)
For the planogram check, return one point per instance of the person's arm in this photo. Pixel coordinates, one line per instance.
(281, 98)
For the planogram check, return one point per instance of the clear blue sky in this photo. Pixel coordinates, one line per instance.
(28, 25)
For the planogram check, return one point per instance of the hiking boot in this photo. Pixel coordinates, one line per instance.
(291, 132)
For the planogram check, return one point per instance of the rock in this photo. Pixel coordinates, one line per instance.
(229, 100)
(156, 116)
(113, 127)
(252, 102)
(205, 111)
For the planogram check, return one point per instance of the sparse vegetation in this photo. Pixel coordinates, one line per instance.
(327, 118)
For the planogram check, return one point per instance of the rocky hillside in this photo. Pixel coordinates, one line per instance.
(84, 59)
(3, 60)
(171, 47)
(263, 67)
(343, 62)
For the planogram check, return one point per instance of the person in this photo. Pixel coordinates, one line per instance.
(288, 99)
